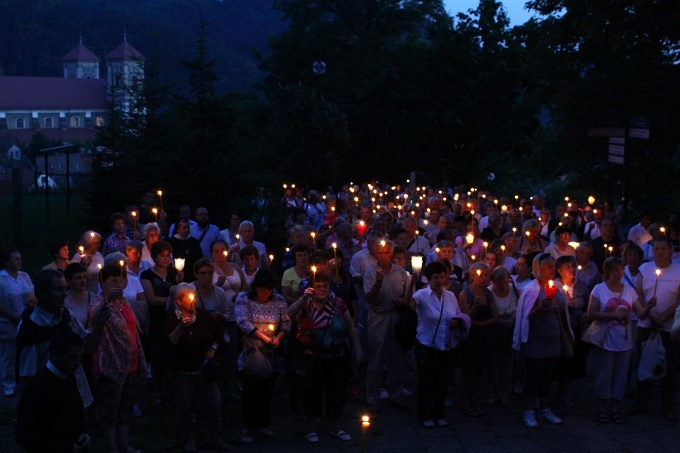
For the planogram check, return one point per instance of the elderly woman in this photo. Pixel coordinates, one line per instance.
(152, 233)
(90, 257)
(477, 301)
(540, 314)
(16, 293)
(609, 308)
(499, 379)
(262, 316)
(118, 362)
(571, 368)
(438, 314)
(186, 247)
(192, 337)
(531, 240)
(561, 245)
(324, 325)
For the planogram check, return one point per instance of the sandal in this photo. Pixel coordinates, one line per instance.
(602, 417)
(342, 435)
(617, 418)
(312, 437)
(470, 411)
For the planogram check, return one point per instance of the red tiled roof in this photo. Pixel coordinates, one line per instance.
(125, 52)
(80, 53)
(26, 93)
(63, 135)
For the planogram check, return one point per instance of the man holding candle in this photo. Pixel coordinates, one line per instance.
(658, 296)
(246, 237)
(386, 287)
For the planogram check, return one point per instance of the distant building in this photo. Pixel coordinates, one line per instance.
(70, 108)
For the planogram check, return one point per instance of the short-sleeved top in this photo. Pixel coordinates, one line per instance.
(544, 331)
(323, 328)
(432, 328)
(619, 337)
(291, 280)
(667, 290)
(393, 287)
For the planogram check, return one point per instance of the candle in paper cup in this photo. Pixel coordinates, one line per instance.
(179, 264)
(416, 264)
(470, 238)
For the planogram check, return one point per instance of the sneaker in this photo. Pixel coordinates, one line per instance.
(442, 423)
(384, 395)
(566, 402)
(530, 419)
(406, 392)
(246, 437)
(547, 415)
(429, 424)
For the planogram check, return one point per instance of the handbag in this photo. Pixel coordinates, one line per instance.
(653, 359)
(255, 364)
(596, 334)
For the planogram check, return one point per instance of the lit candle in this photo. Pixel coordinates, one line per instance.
(470, 238)
(335, 249)
(472, 257)
(134, 219)
(436, 250)
(662, 230)
(272, 327)
(285, 186)
(271, 258)
(225, 253)
(81, 249)
(92, 235)
(191, 297)
(179, 264)
(99, 266)
(292, 186)
(591, 199)
(658, 274)
(502, 254)
(479, 272)
(122, 263)
(160, 198)
(514, 230)
(528, 233)
(504, 208)
(155, 213)
(382, 243)
(416, 264)
(550, 289)
(313, 275)
(365, 421)
(238, 237)
(486, 246)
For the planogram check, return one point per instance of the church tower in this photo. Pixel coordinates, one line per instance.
(125, 73)
(81, 63)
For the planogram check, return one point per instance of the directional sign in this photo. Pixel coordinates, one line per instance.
(617, 150)
(615, 159)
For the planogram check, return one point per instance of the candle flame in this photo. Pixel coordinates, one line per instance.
(122, 263)
(271, 257)
(191, 297)
(365, 418)
(334, 245)
(472, 257)
(565, 288)
(486, 244)
(479, 272)
(657, 272)
(271, 327)
(382, 243)
(99, 266)
(82, 249)
(134, 213)
(503, 247)
(154, 210)
(160, 193)
(551, 283)
(225, 253)
(92, 234)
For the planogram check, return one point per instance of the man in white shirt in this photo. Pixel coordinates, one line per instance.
(203, 231)
(640, 232)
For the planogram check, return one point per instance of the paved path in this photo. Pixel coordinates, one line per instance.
(393, 431)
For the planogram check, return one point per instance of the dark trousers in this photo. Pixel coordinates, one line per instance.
(539, 376)
(328, 378)
(669, 386)
(256, 400)
(433, 374)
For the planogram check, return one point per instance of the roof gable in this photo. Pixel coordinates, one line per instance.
(125, 52)
(80, 53)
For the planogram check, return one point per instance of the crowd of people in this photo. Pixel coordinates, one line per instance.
(511, 293)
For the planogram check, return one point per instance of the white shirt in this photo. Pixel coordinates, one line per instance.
(666, 286)
(428, 308)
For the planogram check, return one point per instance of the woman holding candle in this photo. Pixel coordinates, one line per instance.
(90, 257)
(156, 283)
(576, 294)
(118, 363)
(191, 340)
(261, 314)
(531, 240)
(290, 282)
(186, 247)
(324, 325)
(610, 306)
(477, 354)
(537, 335)
(438, 315)
(78, 298)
